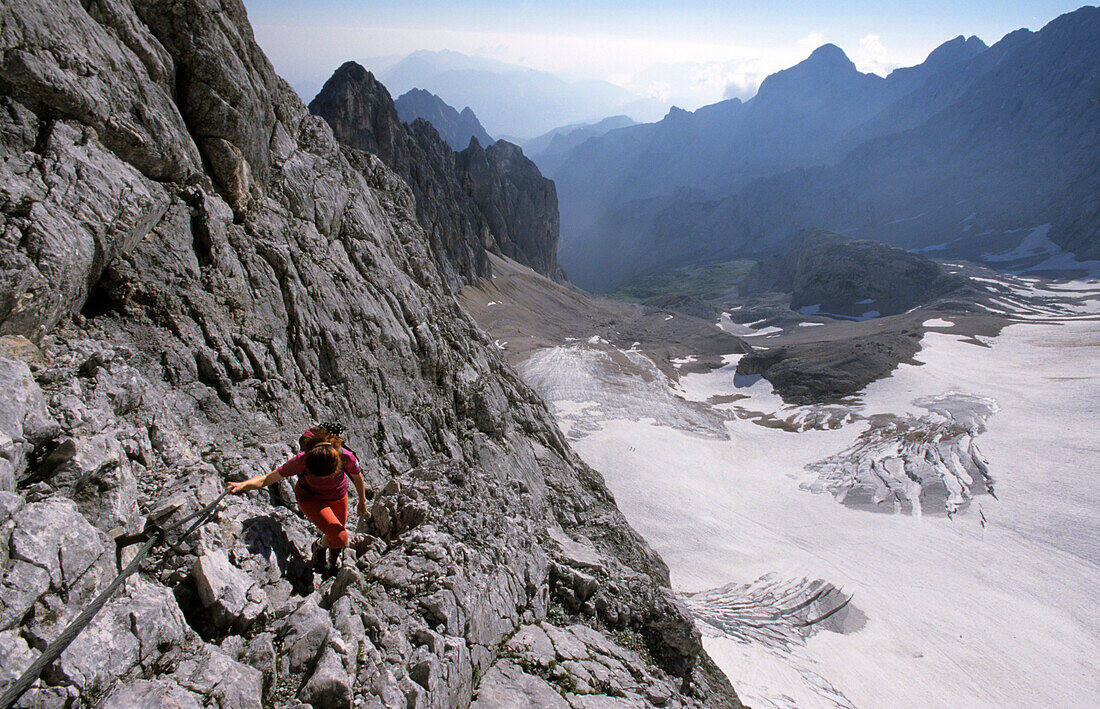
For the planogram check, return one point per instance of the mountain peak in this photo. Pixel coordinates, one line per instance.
(955, 50)
(825, 72)
(828, 56)
(350, 70)
(455, 128)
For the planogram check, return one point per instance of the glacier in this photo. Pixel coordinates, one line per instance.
(957, 597)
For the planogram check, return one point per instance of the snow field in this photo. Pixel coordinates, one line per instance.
(958, 614)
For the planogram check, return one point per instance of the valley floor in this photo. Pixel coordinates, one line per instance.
(990, 606)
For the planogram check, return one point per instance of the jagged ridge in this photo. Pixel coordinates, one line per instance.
(470, 202)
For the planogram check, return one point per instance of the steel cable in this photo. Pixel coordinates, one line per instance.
(62, 641)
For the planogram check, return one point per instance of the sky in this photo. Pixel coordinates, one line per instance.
(715, 49)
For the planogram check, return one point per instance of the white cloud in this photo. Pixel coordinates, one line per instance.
(812, 41)
(871, 55)
(659, 90)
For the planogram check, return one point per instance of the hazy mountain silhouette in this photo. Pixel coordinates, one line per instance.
(511, 100)
(453, 127)
(549, 149)
(975, 141)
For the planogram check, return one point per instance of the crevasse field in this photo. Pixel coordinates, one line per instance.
(993, 606)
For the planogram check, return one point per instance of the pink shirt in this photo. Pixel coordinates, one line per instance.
(311, 488)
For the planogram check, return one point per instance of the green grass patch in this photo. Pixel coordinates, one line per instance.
(707, 280)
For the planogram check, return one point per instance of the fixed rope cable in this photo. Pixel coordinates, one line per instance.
(152, 535)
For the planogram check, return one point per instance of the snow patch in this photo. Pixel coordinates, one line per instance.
(765, 331)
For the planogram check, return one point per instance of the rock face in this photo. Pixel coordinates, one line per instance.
(823, 372)
(455, 128)
(469, 202)
(834, 274)
(193, 269)
(517, 204)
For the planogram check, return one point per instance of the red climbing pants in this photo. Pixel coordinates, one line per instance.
(330, 516)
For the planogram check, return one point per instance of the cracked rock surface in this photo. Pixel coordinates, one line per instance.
(192, 270)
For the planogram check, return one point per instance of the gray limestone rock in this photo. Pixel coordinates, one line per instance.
(506, 686)
(329, 687)
(213, 674)
(157, 622)
(15, 657)
(304, 635)
(79, 206)
(197, 270)
(229, 594)
(532, 643)
(152, 693)
(101, 653)
(22, 584)
(24, 420)
(54, 536)
(260, 654)
(95, 471)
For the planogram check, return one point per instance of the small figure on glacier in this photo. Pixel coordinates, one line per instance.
(322, 468)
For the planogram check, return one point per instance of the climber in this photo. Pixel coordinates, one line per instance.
(322, 467)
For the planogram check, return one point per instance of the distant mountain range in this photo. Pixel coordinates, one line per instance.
(549, 149)
(512, 101)
(961, 155)
(453, 127)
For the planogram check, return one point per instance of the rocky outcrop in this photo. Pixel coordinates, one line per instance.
(829, 273)
(469, 202)
(361, 114)
(829, 370)
(517, 204)
(456, 129)
(193, 269)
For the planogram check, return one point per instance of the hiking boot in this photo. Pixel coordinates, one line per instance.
(335, 562)
(319, 557)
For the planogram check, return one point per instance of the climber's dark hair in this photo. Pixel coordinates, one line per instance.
(317, 436)
(324, 459)
(319, 433)
(323, 451)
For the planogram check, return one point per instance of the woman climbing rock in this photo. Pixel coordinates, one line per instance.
(322, 469)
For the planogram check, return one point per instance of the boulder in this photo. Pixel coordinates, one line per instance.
(230, 595)
(304, 634)
(24, 421)
(506, 686)
(152, 693)
(54, 536)
(213, 674)
(329, 687)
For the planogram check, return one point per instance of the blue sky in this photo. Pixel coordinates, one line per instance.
(731, 45)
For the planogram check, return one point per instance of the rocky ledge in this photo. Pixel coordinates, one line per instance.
(192, 270)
